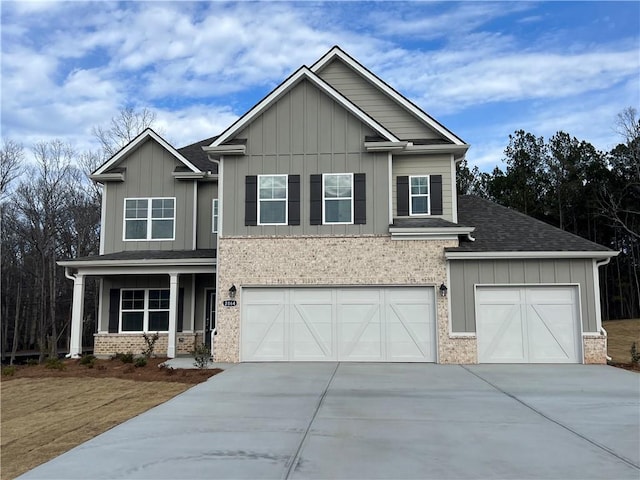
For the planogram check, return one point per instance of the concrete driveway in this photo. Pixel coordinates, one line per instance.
(365, 421)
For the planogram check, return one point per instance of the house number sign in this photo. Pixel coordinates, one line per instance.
(229, 303)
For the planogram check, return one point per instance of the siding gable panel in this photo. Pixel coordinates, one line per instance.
(374, 102)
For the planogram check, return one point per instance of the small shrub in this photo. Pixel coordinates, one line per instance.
(202, 356)
(124, 357)
(635, 354)
(140, 362)
(54, 363)
(88, 361)
(9, 371)
(150, 340)
(32, 362)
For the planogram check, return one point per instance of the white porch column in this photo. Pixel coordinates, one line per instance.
(173, 314)
(77, 314)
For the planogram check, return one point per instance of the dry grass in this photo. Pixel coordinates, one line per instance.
(621, 334)
(44, 417)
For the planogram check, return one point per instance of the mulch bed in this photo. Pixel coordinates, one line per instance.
(114, 368)
(635, 367)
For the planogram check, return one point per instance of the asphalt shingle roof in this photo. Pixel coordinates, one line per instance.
(196, 155)
(501, 229)
(423, 223)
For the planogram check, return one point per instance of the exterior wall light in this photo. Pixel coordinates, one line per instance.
(232, 291)
(443, 290)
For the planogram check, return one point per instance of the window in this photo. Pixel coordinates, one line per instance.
(419, 195)
(149, 218)
(272, 199)
(214, 216)
(144, 310)
(337, 191)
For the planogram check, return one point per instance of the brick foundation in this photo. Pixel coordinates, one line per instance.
(595, 349)
(332, 261)
(108, 344)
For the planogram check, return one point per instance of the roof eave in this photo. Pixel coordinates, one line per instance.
(498, 255)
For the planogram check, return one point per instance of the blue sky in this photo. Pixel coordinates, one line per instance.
(483, 69)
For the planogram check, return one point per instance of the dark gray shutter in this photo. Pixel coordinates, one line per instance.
(114, 309)
(180, 310)
(251, 200)
(402, 196)
(359, 199)
(294, 199)
(315, 214)
(435, 192)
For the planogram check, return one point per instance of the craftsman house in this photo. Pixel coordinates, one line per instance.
(324, 225)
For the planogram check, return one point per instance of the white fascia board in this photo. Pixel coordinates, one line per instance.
(140, 262)
(527, 255)
(148, 270)
(423, 236)
(381, 85)
(384, 146)
(302, 73)
(226, 149)
(147, 133)
(458, 151)
(188, 175)
(107, 177)
(432, 230)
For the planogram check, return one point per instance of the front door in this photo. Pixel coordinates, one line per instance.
(210, 318)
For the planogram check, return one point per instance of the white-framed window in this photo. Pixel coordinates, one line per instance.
(272, 199)
(149, 219)
(419, 203)
(144, 310)
(337, 192)
(214, 216)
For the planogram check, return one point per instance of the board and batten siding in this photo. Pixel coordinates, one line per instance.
(467, 273)
(306, 132)
(148, 174)
(374, 102)
(207, 191)
(424, 165)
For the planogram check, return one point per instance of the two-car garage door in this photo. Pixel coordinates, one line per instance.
(394, 324)
(528, 324)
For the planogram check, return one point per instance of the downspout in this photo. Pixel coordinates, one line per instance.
(599, 264)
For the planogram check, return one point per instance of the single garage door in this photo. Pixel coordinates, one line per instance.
(528, 325)
(338, 324)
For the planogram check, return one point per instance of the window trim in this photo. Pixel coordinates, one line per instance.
(149, 220)
(428, 195)
(145, 311)
(324, 200)
(285, 199)
(215, 215)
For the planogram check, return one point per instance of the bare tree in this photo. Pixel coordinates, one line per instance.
(123, 128)
(11, 163)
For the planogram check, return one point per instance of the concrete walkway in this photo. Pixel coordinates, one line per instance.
(357, 421)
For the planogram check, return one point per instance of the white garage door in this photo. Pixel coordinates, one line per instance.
(338, 324)
(528, 325)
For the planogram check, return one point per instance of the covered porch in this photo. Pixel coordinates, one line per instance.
(144, 292)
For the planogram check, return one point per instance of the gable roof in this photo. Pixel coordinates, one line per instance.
(303, 73)
(501, 229)
(337, 52)
(146, 134)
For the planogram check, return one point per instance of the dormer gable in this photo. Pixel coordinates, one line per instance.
(371, 94)
(225, 144)
(114, 169)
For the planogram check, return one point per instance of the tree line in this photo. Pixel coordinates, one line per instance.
(50, 210)
(568, 183)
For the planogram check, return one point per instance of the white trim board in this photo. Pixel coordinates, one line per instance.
(526, 255)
